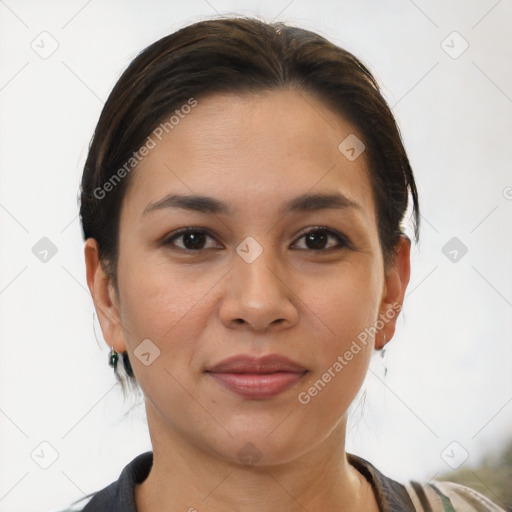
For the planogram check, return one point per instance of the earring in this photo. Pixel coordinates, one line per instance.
(113, 357)
(382, 354)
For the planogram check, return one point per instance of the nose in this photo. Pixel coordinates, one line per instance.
(258, 295)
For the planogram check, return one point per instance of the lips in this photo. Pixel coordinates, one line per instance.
(257, 378)
(260, 365)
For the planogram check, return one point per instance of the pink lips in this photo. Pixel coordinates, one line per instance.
(257, 378)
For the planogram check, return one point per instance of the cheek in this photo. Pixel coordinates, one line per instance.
(346, 301)
(342, 354)
(158, 297)
(166, 309)
(346, 311)
(171, 309)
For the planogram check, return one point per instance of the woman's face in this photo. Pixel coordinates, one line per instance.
(256, 276)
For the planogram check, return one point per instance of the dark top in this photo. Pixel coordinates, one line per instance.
(120, 495)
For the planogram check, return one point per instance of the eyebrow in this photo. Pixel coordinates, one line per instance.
(205, 204)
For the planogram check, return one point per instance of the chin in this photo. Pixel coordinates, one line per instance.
(263, 447)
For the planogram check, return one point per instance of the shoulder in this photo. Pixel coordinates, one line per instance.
(449, 497)
(434, 496)
(119, 496)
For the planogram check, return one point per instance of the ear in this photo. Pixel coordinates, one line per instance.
(396, 281)
(104, 297)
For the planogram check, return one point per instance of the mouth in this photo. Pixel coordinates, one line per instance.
(257, 378)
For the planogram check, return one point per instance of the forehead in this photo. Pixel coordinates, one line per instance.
(252, 150)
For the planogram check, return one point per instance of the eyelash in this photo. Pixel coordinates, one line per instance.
(341, 239)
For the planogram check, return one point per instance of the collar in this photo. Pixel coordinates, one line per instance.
(120, 495)
(391, 495)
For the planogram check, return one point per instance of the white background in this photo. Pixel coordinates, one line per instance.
(449, 367)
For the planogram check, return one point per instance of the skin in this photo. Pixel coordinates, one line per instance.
(255, 152)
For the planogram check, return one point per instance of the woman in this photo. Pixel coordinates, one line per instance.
(241, 204)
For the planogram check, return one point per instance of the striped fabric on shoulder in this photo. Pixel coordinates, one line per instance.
(449, 497)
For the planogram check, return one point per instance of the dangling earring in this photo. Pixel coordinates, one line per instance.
(113, 357)
(382, 354)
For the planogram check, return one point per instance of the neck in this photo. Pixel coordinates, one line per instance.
(185, 477)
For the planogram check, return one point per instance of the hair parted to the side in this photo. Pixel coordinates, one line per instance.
(239, 55)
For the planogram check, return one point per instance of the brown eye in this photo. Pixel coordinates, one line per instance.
(191, 240)
(321, 239)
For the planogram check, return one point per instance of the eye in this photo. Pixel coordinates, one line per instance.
(192, 239)
(318, 240)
